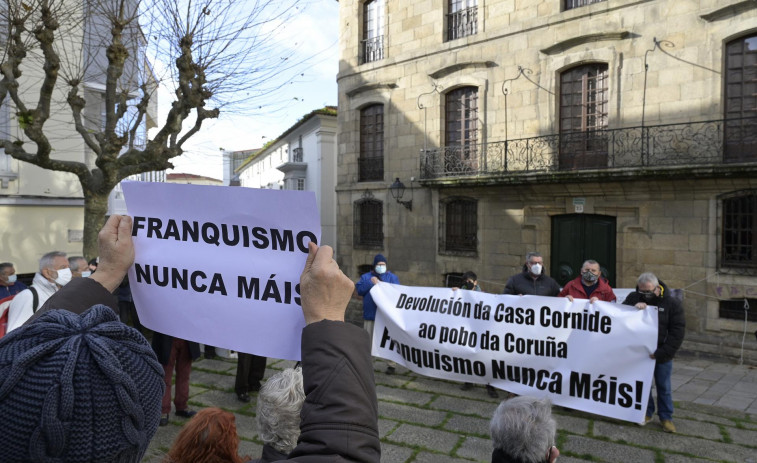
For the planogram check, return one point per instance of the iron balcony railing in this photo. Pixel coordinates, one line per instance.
(296, 155)
(688, 144)
(462, 23)
(372, 49)
(570, 4)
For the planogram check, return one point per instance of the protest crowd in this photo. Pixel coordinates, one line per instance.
(78, 384)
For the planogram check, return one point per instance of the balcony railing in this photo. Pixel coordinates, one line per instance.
(570, 4)
(296, 155)
(689, 144)
(462, 23)
(372, 49)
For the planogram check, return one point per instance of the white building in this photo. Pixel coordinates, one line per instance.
(301, 158)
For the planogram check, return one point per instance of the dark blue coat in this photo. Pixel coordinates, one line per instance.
(364, 287)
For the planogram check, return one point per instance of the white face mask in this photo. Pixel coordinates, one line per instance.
(64, 276)
(381, 269)
(86, 274)
(12, 278)
(536, 269)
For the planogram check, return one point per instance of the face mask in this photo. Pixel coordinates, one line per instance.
(648, 297)
(64, 276)
(469, 285)
(381, 269)
(86, 274)
(536, 269)
(12, 278)
(590, 277)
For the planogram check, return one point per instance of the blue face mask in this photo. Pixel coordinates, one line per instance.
(381, 269)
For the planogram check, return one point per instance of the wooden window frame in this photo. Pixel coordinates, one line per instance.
(458, 226)
(368, 224)
(371, 158)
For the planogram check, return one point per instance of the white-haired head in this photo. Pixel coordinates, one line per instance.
(279, 404)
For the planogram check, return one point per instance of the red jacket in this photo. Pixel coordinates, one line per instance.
(576, 289)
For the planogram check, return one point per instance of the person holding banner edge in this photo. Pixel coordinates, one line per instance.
(672, 326)
(340, 413)
(532, 280)
(364, 286)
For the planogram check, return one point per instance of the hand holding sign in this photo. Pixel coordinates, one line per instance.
(325, 289)
(116, 251)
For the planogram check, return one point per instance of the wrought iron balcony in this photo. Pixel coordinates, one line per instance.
(372, 49)
(296, 155)
(709, 143)
(462, 23)
(570, 4)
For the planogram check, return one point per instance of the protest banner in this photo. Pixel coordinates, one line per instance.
(221, 265)
(590, 357)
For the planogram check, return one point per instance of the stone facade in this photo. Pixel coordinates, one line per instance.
(665, 64)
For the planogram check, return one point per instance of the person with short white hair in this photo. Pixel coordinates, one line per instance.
(53, 274)
(523, 431)
(278, 416)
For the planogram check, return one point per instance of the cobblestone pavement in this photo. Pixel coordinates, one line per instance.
(425, 420)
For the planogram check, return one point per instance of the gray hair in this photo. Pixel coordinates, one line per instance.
(590, 262)
(279, 404)
(73, 263)
(47, 260)
(5, 265)
(523, 428)
(531, 254)
(648, 277)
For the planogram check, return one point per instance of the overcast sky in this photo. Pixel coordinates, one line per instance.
(317, 34)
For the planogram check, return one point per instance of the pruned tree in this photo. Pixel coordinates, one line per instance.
(94, 68)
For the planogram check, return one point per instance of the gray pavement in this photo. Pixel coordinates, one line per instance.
(427, 420)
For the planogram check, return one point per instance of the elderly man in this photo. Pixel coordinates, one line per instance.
(53, 274)
(364, 286)
(532, 280)
(672, 326)
(278, 415)
(9, 284)
(79, 267)
(590, 285)
(523, 431)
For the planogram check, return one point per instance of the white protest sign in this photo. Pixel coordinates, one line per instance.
(221, 265)
(590, 357)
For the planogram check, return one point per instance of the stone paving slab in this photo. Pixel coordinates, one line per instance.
(402, 395)
(573, 424)
(431, 439)
(649, 437)
(386, 426)
(391, 452)
(468, 425)
(466, 406)
(424, 457)
(606, 451)
(476, 449)
(410, 414)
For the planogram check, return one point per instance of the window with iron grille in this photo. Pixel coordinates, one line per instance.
(570, 4)
(371, 161)
(461, 130)
(369, 224)
(458, 224)
(462, 18)
(741, 100)
(372, 45)
(583, 116)
(734, 309)
(739, 231)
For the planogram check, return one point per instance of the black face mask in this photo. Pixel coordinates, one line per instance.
(468, 285)
(648, 297)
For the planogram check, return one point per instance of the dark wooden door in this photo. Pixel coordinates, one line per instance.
(580, 237)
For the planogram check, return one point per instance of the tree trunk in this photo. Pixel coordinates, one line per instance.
(95, 208)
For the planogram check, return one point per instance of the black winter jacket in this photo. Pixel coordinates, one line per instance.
(522, 283)
(672, 322)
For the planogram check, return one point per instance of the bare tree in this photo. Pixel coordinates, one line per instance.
(94, 67)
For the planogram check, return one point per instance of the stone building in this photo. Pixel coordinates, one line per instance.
(618, 130)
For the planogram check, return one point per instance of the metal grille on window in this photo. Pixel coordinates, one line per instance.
(570, 4)
(461, 134)
(369, 223)
(371, 161)
(372, 45)
(583, 117)
(739, 227)
(462, 19)
(741, 100)
(461, 225)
